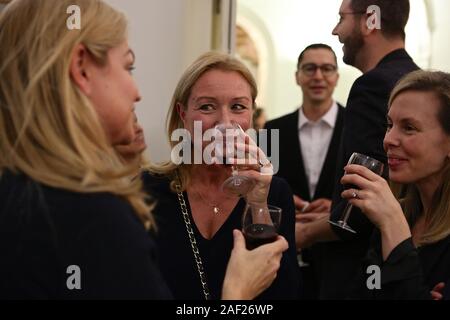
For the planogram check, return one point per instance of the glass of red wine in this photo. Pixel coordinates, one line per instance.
(260, 224)
(368, 162)
(227, 136)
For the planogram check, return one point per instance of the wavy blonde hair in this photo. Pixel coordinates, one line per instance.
(49, 129)
(206, 62)
(438, 215)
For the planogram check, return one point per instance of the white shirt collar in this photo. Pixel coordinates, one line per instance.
(329, 117)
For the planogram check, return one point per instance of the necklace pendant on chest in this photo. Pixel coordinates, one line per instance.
(216, 210)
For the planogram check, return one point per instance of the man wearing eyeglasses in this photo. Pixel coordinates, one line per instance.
(309, 141)
(373, 38)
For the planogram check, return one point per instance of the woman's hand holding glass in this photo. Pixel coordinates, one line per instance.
(251, 170)
(250, 165)
(250, 272)
(374, 197)
(375, 166)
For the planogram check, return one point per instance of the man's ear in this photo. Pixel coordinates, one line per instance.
(79, 64)
(365, 30)
(296, 77)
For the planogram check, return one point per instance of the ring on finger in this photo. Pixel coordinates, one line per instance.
(263, 162)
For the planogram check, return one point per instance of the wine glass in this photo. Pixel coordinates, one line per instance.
(260, 224)
(368, 162)
(226, 134)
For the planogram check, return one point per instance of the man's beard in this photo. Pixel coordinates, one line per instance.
(353, 45)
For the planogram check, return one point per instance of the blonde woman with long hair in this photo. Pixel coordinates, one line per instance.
(412, 247)
(72, 220)
(216, 89)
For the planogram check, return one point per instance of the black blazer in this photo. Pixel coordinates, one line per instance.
(291, 165)
(292, 169)
(365, 126)
(364, 130)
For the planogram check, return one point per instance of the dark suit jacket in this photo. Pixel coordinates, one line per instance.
(292, 169)
(291, 165)
(364, 130)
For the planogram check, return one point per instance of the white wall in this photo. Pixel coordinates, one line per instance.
(166, 36)
(291, 25)
(440, 34)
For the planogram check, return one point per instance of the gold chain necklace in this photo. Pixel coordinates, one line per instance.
(215, 207)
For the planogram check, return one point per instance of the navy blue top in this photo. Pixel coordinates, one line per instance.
(408, 273)
(44, 231)
(176, 256)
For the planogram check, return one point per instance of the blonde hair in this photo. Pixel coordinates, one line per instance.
(50, 130)
(206, 62)
(437, 216)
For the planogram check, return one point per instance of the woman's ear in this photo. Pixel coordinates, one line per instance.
(78, 69)
(181, 111)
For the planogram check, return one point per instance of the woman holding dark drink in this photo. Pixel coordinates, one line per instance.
(412, 245)
(216, 89)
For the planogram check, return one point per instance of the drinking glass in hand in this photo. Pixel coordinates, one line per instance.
(260, 225)
(227, 136)
(368, 162)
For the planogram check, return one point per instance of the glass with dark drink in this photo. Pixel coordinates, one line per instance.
(375, 166)
(227, 136)
(260, 225)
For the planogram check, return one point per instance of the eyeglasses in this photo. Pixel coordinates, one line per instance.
(310, 69)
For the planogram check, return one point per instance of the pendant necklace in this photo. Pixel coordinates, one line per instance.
(215, 207)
